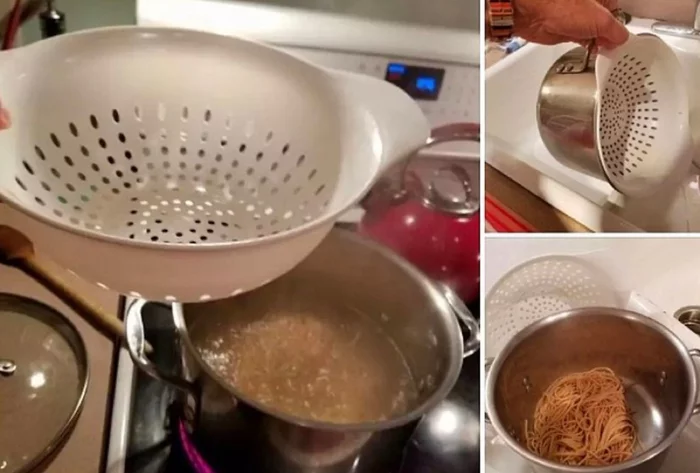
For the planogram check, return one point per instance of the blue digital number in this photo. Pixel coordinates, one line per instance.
(397, 68)
(426, 84)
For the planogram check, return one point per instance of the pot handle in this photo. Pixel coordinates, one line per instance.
(488, 362)
(136, 344)
(578, 68)
(695, 353)
(465, 317)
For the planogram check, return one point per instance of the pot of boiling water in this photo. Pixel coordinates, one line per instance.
(323, 369)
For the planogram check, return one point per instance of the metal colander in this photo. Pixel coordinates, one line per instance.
(178, 165)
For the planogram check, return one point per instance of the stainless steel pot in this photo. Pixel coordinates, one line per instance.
(657, 369)
(412, 310)
(566, 111)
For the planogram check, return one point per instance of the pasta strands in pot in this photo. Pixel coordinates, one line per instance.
(582, 419)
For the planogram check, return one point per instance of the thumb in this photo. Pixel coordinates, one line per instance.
(610, 5)
(610, 33)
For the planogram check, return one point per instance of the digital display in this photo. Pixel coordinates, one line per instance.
(422, 83)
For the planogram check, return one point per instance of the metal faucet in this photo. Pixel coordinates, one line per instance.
(683, 31)
(51, 20)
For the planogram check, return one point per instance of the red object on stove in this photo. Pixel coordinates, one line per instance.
(502, 220)
(8, 40)
(444, 247)
(439, 236)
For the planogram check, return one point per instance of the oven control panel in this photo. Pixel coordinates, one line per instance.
(446, 92)
(421, 83)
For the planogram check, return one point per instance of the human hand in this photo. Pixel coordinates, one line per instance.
(5, 121)
(561, 21)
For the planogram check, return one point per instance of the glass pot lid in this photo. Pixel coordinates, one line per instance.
(43, 381)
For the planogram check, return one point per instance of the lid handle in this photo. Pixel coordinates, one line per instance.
(7, 367)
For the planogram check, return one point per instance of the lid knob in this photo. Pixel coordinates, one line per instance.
(7, 367)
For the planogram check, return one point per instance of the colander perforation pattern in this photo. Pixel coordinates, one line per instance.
(539, 288)
(629, 116)
(184, 166)
(643, 126)
(218, 193)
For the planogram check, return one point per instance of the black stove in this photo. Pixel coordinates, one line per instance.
(154, 443)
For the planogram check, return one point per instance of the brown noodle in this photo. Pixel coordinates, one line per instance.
(582, 419)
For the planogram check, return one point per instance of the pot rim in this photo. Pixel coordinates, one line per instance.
(431, 291)
(647, 455)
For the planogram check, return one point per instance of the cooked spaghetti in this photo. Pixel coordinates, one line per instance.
(582, 419)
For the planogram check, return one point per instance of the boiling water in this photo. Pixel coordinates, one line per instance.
(326, 365)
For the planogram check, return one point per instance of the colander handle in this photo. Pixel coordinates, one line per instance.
(136, 345)
(695, 353)
(399, 122)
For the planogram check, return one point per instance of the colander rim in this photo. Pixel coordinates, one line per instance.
(615, 184)
(8, 197)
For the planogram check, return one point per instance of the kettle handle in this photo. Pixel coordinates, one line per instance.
(431, 196)
(462, 131)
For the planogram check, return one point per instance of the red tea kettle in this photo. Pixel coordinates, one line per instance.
(437, 232)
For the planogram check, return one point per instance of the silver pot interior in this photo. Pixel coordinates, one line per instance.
(361, 294)
(655, 372)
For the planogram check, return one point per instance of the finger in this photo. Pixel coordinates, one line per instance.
(5, 121)
(592, 21)
(609, 5)
(610, 32)
(540, 36)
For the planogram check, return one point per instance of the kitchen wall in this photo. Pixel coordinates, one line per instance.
(456, 13)
(82, 14)
(682, 11)
(459, 14)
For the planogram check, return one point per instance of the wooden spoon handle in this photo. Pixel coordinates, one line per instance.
(104, 322)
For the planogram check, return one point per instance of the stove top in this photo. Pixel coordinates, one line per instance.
(145, 438)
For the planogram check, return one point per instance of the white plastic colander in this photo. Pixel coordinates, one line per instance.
(178, 165)
(643, 116)
(538, 288)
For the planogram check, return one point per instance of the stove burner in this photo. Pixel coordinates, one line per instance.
(195, 459)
